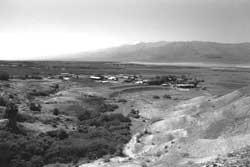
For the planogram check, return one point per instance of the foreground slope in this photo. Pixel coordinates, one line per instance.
(190, 133)
(165, 52)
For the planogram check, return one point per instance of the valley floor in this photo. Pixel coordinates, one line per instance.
(91, 124)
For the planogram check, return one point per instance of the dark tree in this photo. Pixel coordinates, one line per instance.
(11, 114)
(56, 111)
(4, 76)
(3, 101)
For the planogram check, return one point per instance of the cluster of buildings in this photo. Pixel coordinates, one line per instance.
(170, 80)
(64, 76)
(128, 78)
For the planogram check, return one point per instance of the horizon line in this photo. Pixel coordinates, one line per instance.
(55, 57)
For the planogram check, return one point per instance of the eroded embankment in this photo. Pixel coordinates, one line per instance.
(190, 133)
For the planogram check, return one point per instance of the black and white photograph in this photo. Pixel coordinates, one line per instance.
(124, 83)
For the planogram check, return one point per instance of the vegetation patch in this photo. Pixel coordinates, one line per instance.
(35, 107)
(4, 76)
(3, 101)
(99, 133)
(166, 96)
(156, 97)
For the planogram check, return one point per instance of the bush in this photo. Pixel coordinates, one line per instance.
(36, 77)
(87, 114)
(3, 101)
(115, 128)
(17, 150)
(56, 111)
(39, 93)
(71, 150)
(58, 146)
(122, 101)
(59, 134)
(35, 107)
(111, 107)
(56, 86)
(23, 117)
(156, 97)
(134, 113)
(11, 112)
(99, 134)
(4, 76)
(167, 96)
(44, 92)
(114, 117)
(100, 105)
(155, 82)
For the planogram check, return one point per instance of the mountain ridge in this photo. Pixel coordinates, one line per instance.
(172, 52)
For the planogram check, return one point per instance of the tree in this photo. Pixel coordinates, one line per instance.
(56, 111)
(11, 112)
(4, 76)
(3, 101)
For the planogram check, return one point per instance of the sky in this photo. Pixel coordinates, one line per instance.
(41, 29)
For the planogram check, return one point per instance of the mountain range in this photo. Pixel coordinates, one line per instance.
(172, 52)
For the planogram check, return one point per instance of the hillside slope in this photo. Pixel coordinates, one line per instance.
(165, 52)
(190, 133)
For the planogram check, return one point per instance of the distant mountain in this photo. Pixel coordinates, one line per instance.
(173, 52)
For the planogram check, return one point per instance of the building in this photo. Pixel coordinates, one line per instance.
(93, 77)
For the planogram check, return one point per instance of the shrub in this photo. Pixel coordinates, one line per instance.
(114, 117)
(44, 92)
(36, 77)
(35, 107)
(11, 112)
(59, 134)
(115, 128)
(134, 113)
(4, 76)
(122, 101)
(99, 134)
(17, 150)
(39, 93)
(87, 114)
(58, 146)
(23, 117)
(3, 101)
(155, 82)
(156, 97)
(99, 104)
(111, 107)
(71, 150)
(56, 86)
(167, 96)
(56, 111)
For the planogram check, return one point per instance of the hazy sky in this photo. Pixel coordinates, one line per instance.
(44, 28)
